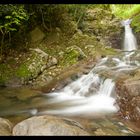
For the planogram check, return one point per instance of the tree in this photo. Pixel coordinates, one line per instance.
(12, 17)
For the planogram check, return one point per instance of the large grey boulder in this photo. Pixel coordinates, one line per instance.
(48, 125)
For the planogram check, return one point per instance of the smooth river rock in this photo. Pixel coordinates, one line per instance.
(5, 127)
(49, 125)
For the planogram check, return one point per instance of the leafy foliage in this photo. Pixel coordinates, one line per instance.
(68, 17)
(125, 11)
(12, 17)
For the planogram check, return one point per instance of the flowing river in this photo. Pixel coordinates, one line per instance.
(90, 98)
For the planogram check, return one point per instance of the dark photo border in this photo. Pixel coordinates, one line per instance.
(70, 1)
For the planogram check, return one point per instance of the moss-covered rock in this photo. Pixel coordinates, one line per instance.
(35, 64)
(72, 55)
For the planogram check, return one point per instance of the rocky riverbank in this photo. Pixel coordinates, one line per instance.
(55, 59)
(48, 125)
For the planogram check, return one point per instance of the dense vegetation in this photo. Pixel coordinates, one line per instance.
(69, 27)
(16, 20)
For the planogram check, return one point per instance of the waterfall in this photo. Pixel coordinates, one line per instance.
(99, 101)
(92, 93)
(130, 42)
(107, 87)
(89, 94)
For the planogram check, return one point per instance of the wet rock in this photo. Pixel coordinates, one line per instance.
(116, 40)
(74, 77)
(5, 127)
(68, 75)
(48, 125)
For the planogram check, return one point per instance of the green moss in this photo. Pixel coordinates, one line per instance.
(70, 57)
(23, 71)
(6, 72)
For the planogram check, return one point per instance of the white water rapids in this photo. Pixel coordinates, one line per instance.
(93, 93)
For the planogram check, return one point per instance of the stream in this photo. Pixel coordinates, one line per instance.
(90, 99)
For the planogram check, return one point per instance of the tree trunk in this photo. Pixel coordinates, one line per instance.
(43, 22)
(9, 37)
(1, 47)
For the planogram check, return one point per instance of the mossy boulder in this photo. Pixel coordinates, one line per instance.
(35, 64)
(24, 73)
(72, 55)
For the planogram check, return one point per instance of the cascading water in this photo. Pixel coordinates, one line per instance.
(91, 93)
(130, 42)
